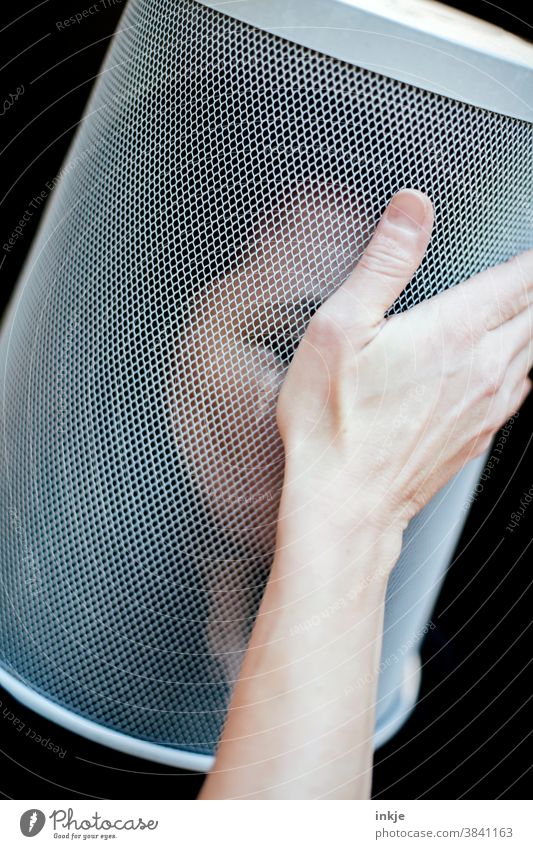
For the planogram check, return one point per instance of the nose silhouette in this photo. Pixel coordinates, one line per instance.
(232, 354)
(235, 347)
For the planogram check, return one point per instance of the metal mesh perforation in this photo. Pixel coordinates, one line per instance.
(224, 181)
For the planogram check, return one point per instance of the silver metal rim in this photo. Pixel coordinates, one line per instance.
(342, 30)
(99, 733)
(175, 757)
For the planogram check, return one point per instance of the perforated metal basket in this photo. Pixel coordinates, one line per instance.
(230, 168)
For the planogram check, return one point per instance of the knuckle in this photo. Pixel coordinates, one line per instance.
(489, 376)
(483, 443)
(387, 257)
(486, 317)
(491, 424)
(324, 332)
(506, 310)
(499, 417)
(496, 414)
(489, 384)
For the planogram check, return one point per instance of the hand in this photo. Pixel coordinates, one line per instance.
(384, 412)
(374, 417)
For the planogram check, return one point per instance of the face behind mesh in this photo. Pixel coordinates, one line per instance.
(223, 183)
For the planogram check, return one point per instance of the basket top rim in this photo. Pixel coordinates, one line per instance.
(419, 42)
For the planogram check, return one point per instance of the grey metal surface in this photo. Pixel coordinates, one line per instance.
(223, 182)
(415, 48)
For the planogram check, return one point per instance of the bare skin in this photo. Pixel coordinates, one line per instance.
(298, 725)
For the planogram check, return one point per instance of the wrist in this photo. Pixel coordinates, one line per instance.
(317, 592)
(318, 554)
(342, 503)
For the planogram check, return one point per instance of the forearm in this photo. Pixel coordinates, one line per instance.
(301, 720)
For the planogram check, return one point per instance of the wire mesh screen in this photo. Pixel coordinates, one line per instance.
(222, 184)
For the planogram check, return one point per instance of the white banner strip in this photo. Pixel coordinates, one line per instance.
(260, 825)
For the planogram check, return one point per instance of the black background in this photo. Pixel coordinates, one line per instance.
(471, 733)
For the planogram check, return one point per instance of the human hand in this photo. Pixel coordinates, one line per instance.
(384, 412)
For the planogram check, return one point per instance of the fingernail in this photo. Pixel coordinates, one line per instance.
(407, 210)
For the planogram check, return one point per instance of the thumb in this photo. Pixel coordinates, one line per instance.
(391, 258)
